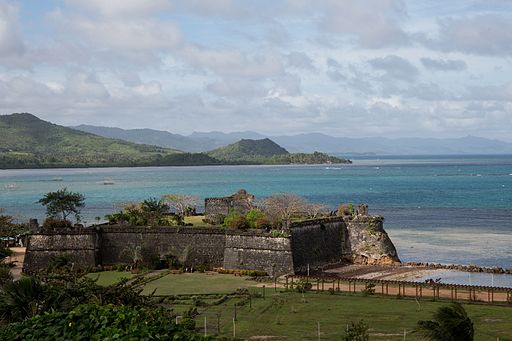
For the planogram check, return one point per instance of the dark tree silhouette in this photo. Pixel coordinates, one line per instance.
(449, 323)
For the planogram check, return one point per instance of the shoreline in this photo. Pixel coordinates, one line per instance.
(427, 272)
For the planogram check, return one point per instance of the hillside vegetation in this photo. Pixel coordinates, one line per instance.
(29, 142)
(266, 151)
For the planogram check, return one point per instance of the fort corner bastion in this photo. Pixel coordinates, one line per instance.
(314, 244)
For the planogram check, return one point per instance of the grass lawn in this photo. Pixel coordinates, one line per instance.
(197, 283)
(109, 277)
(294, 317)
(196, 220)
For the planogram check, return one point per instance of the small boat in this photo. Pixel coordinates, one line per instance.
(57, 179)
(107, 182)
(11, 186)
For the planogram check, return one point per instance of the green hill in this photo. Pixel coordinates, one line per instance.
(248, 150)
(266, 151)
(29, 142)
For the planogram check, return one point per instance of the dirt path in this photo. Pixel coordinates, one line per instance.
(17, 257)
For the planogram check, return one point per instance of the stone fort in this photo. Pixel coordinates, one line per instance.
(353, 236)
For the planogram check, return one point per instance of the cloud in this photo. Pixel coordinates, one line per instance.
(300, 60)
(484, 34)
(395, 67)
(120, 7)
(12, 46)
(501, 92)
(371, 23)
(119, 33)
(444, 65)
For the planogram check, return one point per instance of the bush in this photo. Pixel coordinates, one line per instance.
(188, 323)
(303, 286)
(95, 322)
(235, 220)
(5, 274)
(369, 289)
(357, 332)
(51, 223)
(256, 219)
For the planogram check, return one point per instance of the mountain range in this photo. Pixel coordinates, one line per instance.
(29, 142)
(308, 143)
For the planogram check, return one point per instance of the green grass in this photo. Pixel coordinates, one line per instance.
(196, 220)
(291, 316)
(109, 277)
(197, 283)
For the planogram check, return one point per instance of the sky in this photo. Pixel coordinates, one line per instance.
(394, 68)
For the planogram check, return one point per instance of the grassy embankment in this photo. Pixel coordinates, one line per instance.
(296, 316)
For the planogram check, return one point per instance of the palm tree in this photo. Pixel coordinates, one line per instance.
(26, 298)
(449, 323)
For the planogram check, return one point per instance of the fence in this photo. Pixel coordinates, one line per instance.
(418, 290)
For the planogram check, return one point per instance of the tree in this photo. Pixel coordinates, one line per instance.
(449, 323)
(150, 212)
(182, 204)
(282, 207)
(62, 203)
(8, 228)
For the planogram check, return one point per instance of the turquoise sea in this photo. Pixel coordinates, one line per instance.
(448, 209)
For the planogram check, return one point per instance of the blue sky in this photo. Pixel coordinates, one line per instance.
(347, 68)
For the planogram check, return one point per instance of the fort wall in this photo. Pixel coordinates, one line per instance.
(309, 244)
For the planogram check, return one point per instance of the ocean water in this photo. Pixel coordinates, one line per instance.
(455, 209)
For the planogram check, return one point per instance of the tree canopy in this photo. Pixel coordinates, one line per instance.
(62, 203)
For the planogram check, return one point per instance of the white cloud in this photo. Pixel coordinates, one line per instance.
(395, 67)
(484, 34)
(444, 65)
(120, 7)
(12, 46)
(371, 23)
(300, 60)
(118, 33)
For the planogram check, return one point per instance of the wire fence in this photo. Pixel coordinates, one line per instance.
(418, 290)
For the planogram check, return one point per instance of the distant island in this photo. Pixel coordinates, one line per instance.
(29, 142)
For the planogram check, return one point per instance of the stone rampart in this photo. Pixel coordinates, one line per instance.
(317, 243)
(82, 248)
(313, 243)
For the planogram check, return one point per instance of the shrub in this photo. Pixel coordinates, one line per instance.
(96, 322)
(369, 289)
(5, 274)
(235, 220)
(303, 285)
(188, 323)
(256, 218)
(357, 332)
(51, 223)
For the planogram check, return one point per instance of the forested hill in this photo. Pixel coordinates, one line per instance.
(29, 142)
(266, 151)
(247, 149)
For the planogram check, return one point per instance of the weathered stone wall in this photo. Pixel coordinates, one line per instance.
(190, 245)
(367, 242)
(314, 243)
(216, 209)
(82, 248)
(258, 251)
(317, 243)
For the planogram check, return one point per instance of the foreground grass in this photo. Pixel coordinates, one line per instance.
(109, 277)
(197, 283)
(296, 317)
